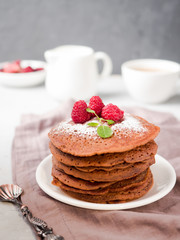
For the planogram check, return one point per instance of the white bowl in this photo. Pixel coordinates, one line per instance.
(150, 80)
(24, 79)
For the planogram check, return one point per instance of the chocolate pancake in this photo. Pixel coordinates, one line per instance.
(123, 185)
(137, 154)
(114, 197)
(83, 140)
(118, 166)
(105, 176)
(77, 182)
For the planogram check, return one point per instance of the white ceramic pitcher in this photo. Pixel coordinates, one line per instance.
(72, 71)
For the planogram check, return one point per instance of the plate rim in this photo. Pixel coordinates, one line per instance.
(65, 198)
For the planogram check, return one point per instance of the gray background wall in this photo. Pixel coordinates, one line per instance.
(125, 29)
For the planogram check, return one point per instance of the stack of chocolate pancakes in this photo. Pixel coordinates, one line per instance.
(110, 170)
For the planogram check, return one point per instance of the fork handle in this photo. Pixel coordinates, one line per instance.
(39, 225)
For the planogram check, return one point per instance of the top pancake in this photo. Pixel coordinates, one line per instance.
(83, 140)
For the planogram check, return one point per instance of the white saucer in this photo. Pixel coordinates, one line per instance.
(164, 180)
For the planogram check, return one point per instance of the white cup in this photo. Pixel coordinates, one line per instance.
(150, 80)
(72, 71)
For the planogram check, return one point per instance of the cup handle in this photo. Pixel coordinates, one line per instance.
(107, 64)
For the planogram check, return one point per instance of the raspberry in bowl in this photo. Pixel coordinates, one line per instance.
(22, 73)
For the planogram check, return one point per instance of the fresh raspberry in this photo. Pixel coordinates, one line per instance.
(79, 113)
(38, 69)
(27, 69)
(18, 62)
(96, 104)
(13, 67)
(112, 112)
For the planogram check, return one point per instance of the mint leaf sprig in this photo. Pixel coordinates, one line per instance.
(103, 131)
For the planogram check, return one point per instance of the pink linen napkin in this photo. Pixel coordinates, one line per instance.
(158, 220)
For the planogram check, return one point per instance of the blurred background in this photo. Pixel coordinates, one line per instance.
(124, 29)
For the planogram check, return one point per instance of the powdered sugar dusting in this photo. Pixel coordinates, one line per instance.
(129, 124)
(82, 130)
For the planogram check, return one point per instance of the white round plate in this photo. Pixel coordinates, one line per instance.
(29, 79)
(164, 180)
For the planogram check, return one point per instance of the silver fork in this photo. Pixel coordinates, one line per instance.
(12, 193)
